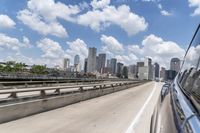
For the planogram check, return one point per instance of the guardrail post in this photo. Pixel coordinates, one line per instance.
(100, 86)
(1, 85)
(44, 83)
(57, 91)
(26, 85)
(13, 95)
(42, 93)
(81, 88)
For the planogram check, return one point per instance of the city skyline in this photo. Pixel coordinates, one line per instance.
(44, 35)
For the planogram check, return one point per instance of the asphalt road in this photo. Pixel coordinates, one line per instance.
(121, 112)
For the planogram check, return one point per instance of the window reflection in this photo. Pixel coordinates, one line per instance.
(190, 71)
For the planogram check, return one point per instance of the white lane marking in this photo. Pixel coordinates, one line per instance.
(134, 122)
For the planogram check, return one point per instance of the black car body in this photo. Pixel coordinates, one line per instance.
(178, 109)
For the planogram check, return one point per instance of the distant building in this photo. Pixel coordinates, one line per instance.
(125, 72)
(119, 69)
(132, 71)
(77, 65)
(91, 62)
(175, 64)
(106, 70)
(97, 61)
(85, 65)
(146, 72)
(139, 64)
(76, 59)
(113, 63)
(157, 70)
(143, 73)
(170, 74)
(66, 63)
(101, 62)
(162, 73)
(108, 63)
(148, 63)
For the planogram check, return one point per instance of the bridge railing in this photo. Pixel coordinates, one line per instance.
(23, 84)
(43, 83)
(13, 93)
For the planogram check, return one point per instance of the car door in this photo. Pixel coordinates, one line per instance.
(178, 110)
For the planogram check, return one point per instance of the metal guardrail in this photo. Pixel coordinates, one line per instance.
(57, 90)
(15, 84)
(28, 84)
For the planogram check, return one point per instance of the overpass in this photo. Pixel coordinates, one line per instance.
(89, 109)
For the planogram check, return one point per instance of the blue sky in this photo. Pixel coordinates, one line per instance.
(44, 32)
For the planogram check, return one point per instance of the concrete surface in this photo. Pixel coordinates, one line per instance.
(35, 106)
(121, 112)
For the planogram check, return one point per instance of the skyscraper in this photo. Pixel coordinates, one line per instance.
(148, 64)
(146, 71)
(119, 69)
(66, 63)
(175, 64)
(101, 62)
(76, 59)
(113, 65)
(162, 73)
(132, 71)
(125, 72)
(157, 69)
(97, 61)
(77, 65)
(91, 62)
(108, 64)
(85, 65)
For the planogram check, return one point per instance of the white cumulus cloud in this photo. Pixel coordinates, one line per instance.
(42, 16)
(111, 45)
(12, 43)
(77, 47)
(6, 22)
(120, 16)
(165, 13)
(50, 49)
(100, 3)
(196, 4)
(159, 50)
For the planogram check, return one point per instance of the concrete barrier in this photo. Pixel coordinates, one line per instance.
(19, 110)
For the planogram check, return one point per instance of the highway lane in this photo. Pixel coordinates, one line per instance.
(121, 112)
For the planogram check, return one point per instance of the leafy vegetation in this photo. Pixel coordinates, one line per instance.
(38, 69)
(14, 67)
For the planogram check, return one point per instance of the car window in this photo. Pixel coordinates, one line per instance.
(190, 71)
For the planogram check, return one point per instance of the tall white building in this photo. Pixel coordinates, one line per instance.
(146, 71)
(91, 62)
(66, 63)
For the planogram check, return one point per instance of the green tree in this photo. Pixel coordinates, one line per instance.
(1, 68)
(9, 66)
(19, 67)
(39, 69)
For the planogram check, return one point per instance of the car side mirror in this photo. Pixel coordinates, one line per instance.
(164, 91)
